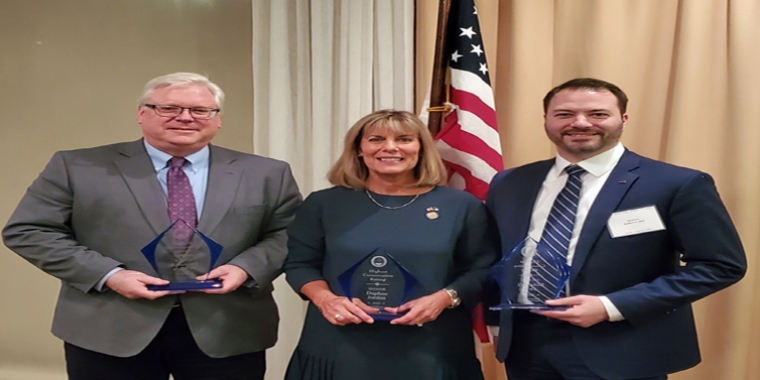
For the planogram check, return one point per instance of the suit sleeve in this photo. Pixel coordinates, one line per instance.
(476, 250)
(263, 261)
(491, 290)
(306, 245)
(713, 256)
(39, 230)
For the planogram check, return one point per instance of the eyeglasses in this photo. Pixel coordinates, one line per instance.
(174, 111)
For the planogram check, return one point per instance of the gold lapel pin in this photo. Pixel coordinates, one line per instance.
(432, 213)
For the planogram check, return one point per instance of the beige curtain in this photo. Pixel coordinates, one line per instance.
(692, 71)
(318, 67)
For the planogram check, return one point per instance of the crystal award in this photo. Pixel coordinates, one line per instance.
(181, 260)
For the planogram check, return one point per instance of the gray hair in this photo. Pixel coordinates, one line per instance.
(176, 79)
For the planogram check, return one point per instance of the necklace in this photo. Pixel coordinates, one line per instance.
(389, 207)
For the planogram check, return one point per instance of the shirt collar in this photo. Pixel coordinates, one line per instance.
(597, 165)
(160, 159)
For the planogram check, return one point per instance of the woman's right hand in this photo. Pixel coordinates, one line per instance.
(340, 311)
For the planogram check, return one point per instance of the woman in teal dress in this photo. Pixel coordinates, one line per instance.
(389, 201)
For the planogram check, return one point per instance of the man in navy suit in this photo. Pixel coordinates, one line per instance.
(648, 239)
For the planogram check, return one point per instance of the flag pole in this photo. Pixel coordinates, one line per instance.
(437, 84)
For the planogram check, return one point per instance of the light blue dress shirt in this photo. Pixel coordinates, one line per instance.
(196, 170)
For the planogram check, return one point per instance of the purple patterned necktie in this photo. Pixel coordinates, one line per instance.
(181, 200)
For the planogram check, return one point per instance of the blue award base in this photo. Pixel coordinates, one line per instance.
(537, 306)
(188, 285)
(386, 316)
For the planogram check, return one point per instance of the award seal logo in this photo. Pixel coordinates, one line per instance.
(378, 261)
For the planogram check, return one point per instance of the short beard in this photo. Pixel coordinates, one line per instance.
(607, 140)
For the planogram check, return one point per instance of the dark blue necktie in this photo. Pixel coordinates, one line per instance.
(551, 258)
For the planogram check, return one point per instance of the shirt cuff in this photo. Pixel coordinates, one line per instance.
(612, 312)
(101, 284)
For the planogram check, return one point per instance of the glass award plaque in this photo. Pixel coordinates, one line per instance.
(180, 260)
(530, 275)
(379, 281)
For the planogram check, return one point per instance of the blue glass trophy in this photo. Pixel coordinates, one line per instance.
(530, 275)
(181, 260)
(379, 281)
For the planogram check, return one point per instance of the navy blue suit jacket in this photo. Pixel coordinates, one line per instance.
(641, 274)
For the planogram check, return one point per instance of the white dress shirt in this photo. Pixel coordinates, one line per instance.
(598, 169)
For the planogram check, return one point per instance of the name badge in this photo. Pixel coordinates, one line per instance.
(634, 222)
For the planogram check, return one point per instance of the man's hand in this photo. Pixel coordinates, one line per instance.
(232, 277)
(583, 311)
(133, 284)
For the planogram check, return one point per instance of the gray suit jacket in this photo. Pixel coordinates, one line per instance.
(92, 210)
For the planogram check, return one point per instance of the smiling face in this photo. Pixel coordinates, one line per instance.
(390, 155)
(583, 122)
(181, 135)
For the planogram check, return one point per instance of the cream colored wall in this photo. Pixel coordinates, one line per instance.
(70, 74)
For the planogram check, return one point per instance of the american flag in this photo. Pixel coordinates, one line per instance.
(469, 139)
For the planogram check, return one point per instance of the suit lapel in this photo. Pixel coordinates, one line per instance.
(223, 179)
(613, 191)
(137, 171)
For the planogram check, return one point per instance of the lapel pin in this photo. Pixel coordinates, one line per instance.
(621, 182)
(432, 213)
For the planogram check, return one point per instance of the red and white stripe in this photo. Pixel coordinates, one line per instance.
(469, 140)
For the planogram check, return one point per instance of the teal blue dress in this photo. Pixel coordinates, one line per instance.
(445, 239)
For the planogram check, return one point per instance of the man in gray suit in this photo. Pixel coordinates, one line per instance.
(91, 211)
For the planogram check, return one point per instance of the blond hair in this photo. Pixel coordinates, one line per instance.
(351, 171)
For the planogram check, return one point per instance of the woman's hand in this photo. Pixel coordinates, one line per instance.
(340, 311)
(421, 310)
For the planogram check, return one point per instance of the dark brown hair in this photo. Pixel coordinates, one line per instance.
(591, 84)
